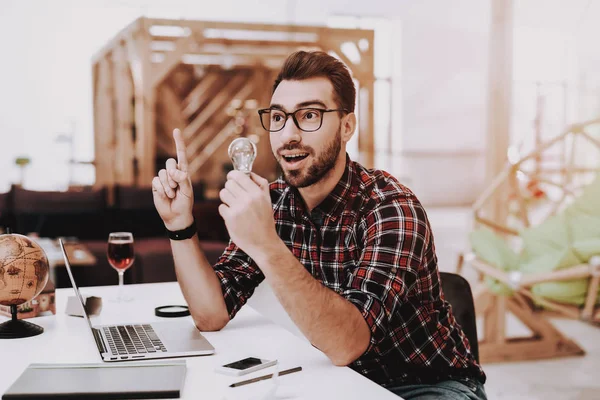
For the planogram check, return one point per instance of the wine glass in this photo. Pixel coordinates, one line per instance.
(120, 256)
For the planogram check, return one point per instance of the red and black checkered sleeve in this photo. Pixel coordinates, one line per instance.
(239, 276)
(395, 234)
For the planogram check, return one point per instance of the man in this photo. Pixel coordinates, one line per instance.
(348, 251)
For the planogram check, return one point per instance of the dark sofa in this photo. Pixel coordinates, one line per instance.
(85, 215)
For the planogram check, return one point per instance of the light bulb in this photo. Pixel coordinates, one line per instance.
(242, 152)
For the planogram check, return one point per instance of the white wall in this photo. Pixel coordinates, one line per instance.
(440, 56)
(46, 82)
(444, 84)
(45, 73)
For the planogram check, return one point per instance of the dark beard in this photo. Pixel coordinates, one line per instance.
(320, 168)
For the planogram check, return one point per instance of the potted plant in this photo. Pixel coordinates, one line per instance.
(22, 162)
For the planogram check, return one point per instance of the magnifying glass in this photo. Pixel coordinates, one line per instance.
(172, 311)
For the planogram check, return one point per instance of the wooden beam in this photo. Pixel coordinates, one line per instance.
(211, 147)
(104, 137)
(183, 45)
(491, 189)
(204, 136)
(210, 133)
(497, 227)
(490, 270)
(171, 117)
(564, 170)
(546, 342)
(546, 146)
(231, 60)
(145, 97)
(521, 301)
(591, 298)
(255, 50)
(594, 141)
(516, 190)
(482, 298)
(568, 177)
(213, 137)
(580, 271)
(124, 34)
(539, 326)
(499, 99)
(164, 146)
(550, 182)
(216, 104)
(493, 320)
(565, 310)
(96, 77)
(195, 98)
(335, 45)
(123, 95)
(366, 140)
(367, 62)
(368, 136)
(289, 30)
(520, 349)
(242, 43)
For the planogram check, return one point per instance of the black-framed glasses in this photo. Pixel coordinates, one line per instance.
(306, 119)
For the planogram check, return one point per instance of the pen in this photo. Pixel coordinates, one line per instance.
(261, 378)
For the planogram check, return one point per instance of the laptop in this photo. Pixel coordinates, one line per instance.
(175, 338)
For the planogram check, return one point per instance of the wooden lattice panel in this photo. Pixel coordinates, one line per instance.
(157, 75)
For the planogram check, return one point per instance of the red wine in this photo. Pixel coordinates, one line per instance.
(120, 254)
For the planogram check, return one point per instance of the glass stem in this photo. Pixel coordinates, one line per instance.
(121, 274)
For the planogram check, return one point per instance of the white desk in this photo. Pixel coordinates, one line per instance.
(67, 340)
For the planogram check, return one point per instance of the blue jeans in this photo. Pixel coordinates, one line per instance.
(459, 389)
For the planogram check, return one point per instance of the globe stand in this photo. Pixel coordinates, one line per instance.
(16, 328)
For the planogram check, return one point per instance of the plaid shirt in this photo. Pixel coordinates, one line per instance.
(370, 242)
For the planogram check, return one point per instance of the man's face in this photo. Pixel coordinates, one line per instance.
(306, 157)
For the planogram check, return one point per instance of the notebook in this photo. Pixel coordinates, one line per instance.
(134, 380)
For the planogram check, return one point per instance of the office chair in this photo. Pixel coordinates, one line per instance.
(457, 292)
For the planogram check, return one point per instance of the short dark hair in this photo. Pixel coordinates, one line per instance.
(311, 64)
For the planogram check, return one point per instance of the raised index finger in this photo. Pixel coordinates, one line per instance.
(182, 163)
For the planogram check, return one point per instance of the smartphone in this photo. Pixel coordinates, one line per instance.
(245, 366)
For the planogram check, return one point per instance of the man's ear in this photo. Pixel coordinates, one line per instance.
(348, 127)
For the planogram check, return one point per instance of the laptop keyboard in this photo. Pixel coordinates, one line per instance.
(133, 339)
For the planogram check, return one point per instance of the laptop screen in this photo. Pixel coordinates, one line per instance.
(77, 293)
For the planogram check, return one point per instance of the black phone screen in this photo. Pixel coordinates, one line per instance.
(244, 364)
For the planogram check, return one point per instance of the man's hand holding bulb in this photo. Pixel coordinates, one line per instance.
(246, 207)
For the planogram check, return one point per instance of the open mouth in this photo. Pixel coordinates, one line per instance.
(295, 158)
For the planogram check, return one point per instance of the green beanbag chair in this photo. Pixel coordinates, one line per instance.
(562, 241)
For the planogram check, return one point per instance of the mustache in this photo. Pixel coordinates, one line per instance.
(291, 147)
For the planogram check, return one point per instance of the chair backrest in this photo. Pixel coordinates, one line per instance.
(134, 212)
(457, 292)
(6, 214)
(51, 214)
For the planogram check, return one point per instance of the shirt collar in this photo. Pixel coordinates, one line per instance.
(334, 201)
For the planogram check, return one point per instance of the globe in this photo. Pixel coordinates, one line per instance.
(23, 269)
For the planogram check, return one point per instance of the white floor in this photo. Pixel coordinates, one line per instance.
(573, 378)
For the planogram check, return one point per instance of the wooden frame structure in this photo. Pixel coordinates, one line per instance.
(547, 341)
(159, 74)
